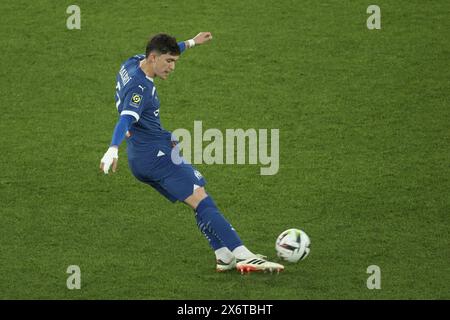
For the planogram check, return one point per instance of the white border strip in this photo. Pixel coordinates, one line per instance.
(131, 113)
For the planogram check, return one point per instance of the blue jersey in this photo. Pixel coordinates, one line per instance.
(149, 148)
(136, 96)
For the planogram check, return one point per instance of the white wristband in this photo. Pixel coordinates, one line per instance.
(108, 158)
(191, 43)
(113, 152)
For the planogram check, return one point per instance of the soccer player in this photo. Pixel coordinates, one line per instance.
(150, 148)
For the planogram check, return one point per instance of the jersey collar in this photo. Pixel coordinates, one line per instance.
(142, 71)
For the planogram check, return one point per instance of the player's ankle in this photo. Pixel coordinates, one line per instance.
(242, 252)
(224, 254)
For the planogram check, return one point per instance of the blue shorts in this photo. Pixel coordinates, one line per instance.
(174, 179)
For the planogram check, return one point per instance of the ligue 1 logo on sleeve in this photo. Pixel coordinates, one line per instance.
(136, 100)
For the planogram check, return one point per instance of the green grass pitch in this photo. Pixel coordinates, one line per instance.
(364, 120)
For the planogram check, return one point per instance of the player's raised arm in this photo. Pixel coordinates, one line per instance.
(200, 38)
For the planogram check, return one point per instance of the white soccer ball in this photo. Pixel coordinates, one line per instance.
(292, 245)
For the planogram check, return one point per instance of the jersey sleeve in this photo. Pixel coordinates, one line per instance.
(135, 101)
(121, 129)
(182, 46)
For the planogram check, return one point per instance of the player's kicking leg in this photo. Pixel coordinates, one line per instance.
(223, 238)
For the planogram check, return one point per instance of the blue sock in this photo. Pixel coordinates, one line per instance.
(210, 219)
(212, 239)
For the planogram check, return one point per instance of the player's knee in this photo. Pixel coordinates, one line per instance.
(197, 196)
(200, 194)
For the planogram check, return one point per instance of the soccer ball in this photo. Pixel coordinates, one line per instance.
(292, 245)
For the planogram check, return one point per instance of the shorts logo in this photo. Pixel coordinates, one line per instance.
(198, 174)
(135, 100)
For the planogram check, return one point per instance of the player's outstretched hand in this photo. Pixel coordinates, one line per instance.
(202, 37)
(110, 158)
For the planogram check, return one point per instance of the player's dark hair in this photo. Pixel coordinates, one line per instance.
(162, 43)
